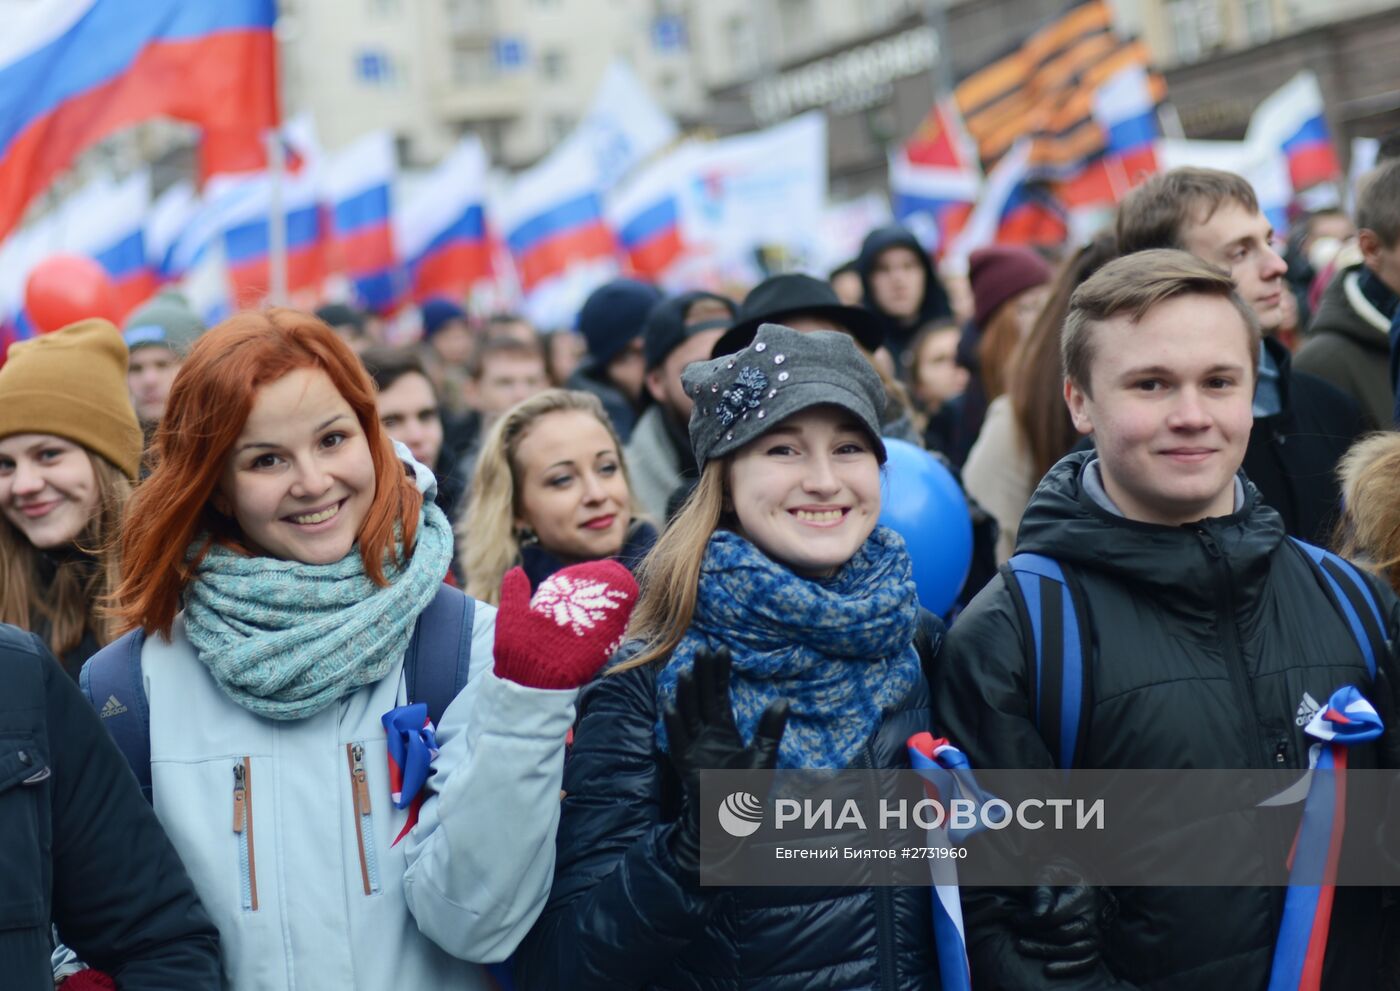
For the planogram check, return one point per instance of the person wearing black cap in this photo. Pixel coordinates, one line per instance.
(804, 304)
(679, 330)
(611, 321)
(901, 286)
(777, 611)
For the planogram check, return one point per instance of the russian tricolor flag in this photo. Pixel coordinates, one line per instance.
(553, 218)
(1012, 209)
(1126, 110)
(935, 175)
(570, 230)
(358, 183)
(1293, 120)
(73, 72)
(652, 239)
(111, 218)
(246, 237)
(441, 229)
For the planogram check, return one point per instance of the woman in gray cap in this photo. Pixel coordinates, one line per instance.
(776, 628)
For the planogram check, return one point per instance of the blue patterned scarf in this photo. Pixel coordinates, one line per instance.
(840, 650)
(285, 639)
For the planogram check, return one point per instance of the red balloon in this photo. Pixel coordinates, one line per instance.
(64, 289)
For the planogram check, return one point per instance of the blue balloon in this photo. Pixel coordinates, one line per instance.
(924, 504)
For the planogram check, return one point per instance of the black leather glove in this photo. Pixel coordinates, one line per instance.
(703, 737)
(1064, 921)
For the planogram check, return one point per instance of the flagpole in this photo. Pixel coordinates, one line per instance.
(276, 221)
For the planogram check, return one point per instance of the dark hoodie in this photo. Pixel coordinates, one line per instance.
(1205, 639)
(934, 305)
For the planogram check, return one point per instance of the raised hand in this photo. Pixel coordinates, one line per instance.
(702, 735)
(561, 636)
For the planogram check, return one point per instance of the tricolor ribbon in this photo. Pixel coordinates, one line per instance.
(947, 775)
(1347, 718)
(412, 748)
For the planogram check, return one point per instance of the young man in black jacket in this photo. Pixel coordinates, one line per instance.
(80, 849)
(1207, 629)
(1302, 425)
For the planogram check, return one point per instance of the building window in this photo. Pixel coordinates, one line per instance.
(554, 65)
(1258, 20)
(376, 68)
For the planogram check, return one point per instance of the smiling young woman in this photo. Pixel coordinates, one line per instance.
(550, 489)
(775, 588)
(69, 451)
(282, 557)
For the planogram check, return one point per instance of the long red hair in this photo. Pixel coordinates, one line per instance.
(208, 406)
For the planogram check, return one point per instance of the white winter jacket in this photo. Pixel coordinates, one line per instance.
(295, 859)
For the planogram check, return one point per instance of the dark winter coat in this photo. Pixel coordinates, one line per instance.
(1205, 639)
(898, 336)
(1348, 345)
(620, 917)
(1292, 456)
(79, 847)
(539, 564)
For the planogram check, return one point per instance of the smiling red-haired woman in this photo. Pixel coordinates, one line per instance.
(284, 561)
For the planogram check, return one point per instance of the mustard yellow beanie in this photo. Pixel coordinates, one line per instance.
(72, 383)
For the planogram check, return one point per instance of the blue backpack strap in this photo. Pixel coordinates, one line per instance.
(111, 681)
(439, 656)
(1047, 603)
(1354, 598)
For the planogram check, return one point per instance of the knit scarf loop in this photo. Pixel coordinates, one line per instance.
(285, 639)
(840, 650)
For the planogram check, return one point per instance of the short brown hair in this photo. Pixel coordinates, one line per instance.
(494, 347)
(1155, 214)
(1378, 202)
(1133, 285)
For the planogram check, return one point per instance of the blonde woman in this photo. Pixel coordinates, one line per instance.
(70, 449)
(550, 490)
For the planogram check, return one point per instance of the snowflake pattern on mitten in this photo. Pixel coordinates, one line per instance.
(562, 634)
(577, 604)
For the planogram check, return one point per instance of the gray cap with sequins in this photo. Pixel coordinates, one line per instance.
(740, 396)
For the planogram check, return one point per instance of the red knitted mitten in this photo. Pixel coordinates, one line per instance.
(88, 980)
(565, 633)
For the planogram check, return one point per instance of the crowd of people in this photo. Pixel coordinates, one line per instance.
(329, 664)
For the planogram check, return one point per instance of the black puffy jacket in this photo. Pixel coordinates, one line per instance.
(79, 847)
(619, 916)
(1205, 639)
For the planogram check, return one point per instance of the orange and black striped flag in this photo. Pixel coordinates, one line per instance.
(1044, 90)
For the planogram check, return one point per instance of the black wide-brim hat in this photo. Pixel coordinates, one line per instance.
(782, 296)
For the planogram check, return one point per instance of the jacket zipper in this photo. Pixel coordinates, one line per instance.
(243, 832)
(364, 820)
(1234, 661)
(884, 909)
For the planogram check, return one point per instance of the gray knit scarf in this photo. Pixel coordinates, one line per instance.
(285, 639)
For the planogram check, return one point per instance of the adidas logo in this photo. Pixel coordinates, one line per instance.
(1306, 710)
(111, 708)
